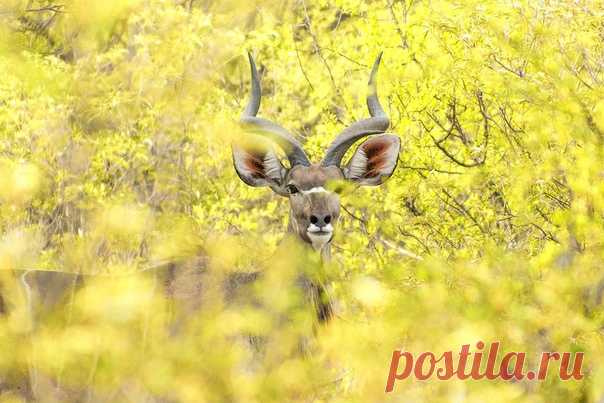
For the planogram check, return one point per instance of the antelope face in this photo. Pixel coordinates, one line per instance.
(314, 208)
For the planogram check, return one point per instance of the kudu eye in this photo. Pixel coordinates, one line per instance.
(292, 189)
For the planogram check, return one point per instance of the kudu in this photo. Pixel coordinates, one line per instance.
(314, 209)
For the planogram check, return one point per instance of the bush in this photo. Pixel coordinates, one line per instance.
(116, 119)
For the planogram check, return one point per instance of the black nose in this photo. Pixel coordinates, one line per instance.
(320, 220)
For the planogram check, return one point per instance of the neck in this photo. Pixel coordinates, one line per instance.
(315, 290)
(326, 252)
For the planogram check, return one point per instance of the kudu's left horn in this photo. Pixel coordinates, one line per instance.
(292, 148)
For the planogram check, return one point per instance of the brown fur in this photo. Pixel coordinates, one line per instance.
(322, 203)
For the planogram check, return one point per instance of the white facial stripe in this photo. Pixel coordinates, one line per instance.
(319, 189)
(314, 228)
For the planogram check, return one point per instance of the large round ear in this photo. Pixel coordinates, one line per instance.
(374, 160)
(257, 164)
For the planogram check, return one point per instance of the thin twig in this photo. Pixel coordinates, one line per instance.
(300, 63)
(317, 47)
(400, 249)
(465, 211)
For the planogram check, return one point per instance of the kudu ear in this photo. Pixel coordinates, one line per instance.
(258, 165)
(374, 160)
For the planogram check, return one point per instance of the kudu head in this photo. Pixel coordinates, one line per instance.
(314, 207)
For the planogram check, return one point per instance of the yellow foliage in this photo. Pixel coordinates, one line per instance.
(116, 119)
